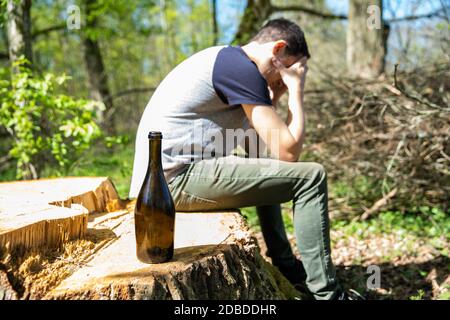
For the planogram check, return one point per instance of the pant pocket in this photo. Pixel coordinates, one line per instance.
(191, 202)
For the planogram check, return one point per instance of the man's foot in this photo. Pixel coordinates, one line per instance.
(296, 275)
(349, 295)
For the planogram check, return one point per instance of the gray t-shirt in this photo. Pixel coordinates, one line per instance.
(194, 106)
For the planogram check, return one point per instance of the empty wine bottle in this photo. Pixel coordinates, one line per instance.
(154, 213)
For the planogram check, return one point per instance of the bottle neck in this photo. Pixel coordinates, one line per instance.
(154, 152)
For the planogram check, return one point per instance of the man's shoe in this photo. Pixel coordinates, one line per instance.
(349, 295)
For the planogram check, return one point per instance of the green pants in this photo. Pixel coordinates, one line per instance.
(236, 182)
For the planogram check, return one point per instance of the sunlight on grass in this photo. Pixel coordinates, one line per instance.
(251, 216)
(117, 164)
(420, 221)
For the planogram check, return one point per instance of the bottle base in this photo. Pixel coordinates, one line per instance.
(155, 255)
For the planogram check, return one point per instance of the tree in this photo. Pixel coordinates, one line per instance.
(366, 48)
(19, 29)
(98, 79)
(256, 12)
(214, 22)
(46, 128)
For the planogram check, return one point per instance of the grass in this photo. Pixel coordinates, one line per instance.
(251, 217)
(424, 222)
(115, 163)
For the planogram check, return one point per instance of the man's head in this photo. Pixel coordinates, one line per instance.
(286, 32)
(279, 39)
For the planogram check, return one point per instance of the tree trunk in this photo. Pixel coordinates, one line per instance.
(214, 23)
(98, 79)
(256, 12)
(19, 29)
(365, 39)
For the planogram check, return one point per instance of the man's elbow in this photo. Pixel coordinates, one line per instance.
(289, 156)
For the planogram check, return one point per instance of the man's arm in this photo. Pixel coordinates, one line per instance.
(276, 92)
(287, 146)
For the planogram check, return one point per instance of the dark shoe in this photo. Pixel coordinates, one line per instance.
(349, 295)
(296, 275)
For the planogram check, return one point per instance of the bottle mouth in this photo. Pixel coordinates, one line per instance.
(155, 135)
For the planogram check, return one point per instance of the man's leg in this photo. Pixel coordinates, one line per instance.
(278, 246)
(274, 233)
(234, 182)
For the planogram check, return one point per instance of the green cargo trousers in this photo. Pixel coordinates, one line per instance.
(236, 182)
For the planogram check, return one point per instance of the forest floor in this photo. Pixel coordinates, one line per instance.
(411, 266)
(411, 251)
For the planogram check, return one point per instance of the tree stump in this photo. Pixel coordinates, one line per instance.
(216, 257)
(51, 211)
(6, 290)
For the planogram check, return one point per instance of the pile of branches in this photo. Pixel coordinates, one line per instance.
(393, 132)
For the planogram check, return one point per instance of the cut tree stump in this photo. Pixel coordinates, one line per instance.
(51, 211)
(216, 255)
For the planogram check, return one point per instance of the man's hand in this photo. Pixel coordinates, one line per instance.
(290, 134)
(294, 77)
(276, 90)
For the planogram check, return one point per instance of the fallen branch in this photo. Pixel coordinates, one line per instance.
(415, 97)
(378, 205)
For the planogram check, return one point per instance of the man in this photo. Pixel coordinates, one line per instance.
(227, 88)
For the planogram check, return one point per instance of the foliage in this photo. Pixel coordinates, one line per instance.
(115, 163)
(445, 295)
(426, 222)
(47, 128)
(250, 215)
(2, 12)
(373, 139)
(419, 296)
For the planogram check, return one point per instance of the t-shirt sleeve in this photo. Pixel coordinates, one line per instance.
(237, 80)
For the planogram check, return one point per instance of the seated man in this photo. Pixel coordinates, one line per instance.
(203, 106)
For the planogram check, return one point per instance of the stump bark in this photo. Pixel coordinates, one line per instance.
(216, 257)
(6, 290)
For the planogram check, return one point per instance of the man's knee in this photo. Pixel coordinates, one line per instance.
(320, 170)
(316, 170)
(313, 180)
